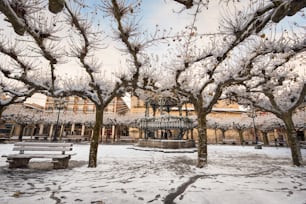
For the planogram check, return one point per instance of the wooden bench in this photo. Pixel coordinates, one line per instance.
(40, 150)
(3, 139)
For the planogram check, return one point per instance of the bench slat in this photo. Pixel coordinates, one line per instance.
(33, 148)
(28, 156)
(43, 144)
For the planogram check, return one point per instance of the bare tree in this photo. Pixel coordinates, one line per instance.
(40, 34)
(12, 92)
(267, 123)
(277, 87)
(100, 90)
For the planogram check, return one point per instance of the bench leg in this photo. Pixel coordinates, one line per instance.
(60, 163)
(18, 163)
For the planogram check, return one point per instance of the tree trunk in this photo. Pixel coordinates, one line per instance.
(191, 134)
(265, 138)
(115, 133)
(223, 134)
(292, 140)
(202, 137)
(21, 132)
(216, 138)
(240, 132)
(92, 163)
(2, 108)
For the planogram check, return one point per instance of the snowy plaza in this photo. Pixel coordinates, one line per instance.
(153, 102)
(234, 175)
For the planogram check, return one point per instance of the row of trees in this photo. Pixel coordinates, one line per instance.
(265, 123)
(245, 60)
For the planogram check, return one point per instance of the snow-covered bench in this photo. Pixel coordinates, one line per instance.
(29, 150)
(248, 142)
(228, 141)
(303, 144)
(3, 139)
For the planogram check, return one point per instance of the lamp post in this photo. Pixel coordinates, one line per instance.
(252, 114)
(215, 127)
(161, 103)
(59, 105)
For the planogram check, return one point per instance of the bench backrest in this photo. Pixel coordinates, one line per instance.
(37, 146)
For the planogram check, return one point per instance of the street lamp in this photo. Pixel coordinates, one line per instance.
(59, 104)
(161, 103)
(252, 114)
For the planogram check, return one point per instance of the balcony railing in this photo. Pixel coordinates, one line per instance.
(165, 122)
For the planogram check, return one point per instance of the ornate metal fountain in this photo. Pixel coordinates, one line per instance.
(165, 130)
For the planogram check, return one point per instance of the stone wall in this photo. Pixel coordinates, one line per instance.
(166, 144)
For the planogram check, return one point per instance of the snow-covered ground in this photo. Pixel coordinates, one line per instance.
(235, 174)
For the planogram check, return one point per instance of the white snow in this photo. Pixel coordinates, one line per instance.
(235, 174)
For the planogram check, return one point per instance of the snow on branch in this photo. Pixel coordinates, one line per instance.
(120, 11)
(40, 39)
(23, 67)
(187, 3)
(99, 89)
(13, 17)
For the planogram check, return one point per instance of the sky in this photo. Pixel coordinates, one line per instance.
(164, 13)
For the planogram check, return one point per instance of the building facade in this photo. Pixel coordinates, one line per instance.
(222, 111)
(75, 118)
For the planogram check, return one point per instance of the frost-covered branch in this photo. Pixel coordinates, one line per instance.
(26, 68)
(40, 38)
(187, 3)
(17, 22)
(12, 92)
(119, 11)
(14, 11)
(277, 9)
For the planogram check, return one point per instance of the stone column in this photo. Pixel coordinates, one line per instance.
(102, 135)
(83, 130)
(61, 131)
(51, 131)
(113, 132)
(41, 129)
(12, 130)
(72, 128)
(103, 131)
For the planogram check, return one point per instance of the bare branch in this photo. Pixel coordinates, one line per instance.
(17, 22)
(187, 3)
